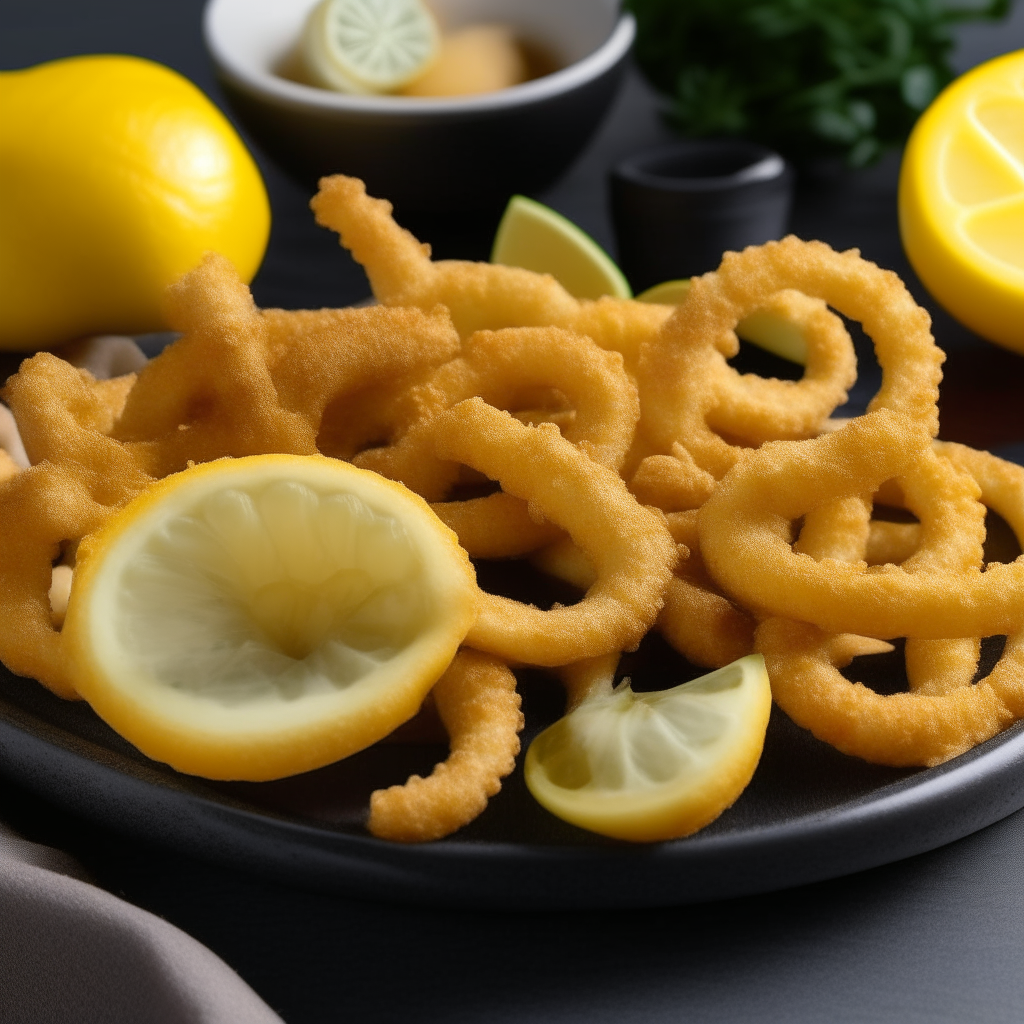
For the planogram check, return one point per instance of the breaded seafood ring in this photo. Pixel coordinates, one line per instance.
(698, 621)
(897, 729)
(629, 545)
(680, 406)
(478, 704)
(481, 296)
(509, 369)
(746, 544)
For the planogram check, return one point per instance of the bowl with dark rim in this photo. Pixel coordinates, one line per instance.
(436, 154)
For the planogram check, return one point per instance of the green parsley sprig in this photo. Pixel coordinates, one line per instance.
(808, 77)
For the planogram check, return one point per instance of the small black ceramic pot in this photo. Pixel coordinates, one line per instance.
(678, 207)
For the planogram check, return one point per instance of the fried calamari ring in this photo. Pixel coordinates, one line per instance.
(629, 545)
(497, 526)
(699, 622)
(507, 368)
(677, 404)
(481, 296)
(896, 729)
(479, 706)
(745, 539)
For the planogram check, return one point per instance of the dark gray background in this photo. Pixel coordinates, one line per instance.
(933, 939)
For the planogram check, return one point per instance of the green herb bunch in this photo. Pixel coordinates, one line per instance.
(808, 77)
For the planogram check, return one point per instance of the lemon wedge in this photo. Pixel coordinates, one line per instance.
(258, 617)
(535, 237)
(961, 199)
(653, 766)
(761, 328)
(369, 46)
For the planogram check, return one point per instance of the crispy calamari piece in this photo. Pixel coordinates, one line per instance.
(628, 544)
(481, 296)
(276, 372)
(896, 729)
(479, 706)
(688, 391)
(938, 593)
(64, 417)
(508, 369)
(497, 526)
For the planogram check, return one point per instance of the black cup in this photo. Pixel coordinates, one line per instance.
(677, 208)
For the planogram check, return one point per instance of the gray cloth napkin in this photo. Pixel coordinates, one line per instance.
(71, 953)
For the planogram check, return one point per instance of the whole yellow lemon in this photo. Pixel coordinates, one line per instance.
(116, 175)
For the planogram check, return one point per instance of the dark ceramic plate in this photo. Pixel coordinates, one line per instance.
(809, 814)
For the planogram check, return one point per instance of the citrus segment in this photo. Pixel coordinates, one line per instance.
(259, 617)
(535, 237)
(653, 766)
(369, 46)
(961, 198)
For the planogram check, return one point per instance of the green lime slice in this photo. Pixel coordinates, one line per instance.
(535, 237)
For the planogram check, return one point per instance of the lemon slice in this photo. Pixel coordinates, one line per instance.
(369, 46)
(961, 199)
(763, 329)
(652, 766)
(254, 618)
(535, 237)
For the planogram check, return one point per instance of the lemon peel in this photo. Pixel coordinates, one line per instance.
(258, 617)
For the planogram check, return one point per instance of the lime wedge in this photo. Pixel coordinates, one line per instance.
(535, 237)
(763, 329)
(653, 766)
(369, 46)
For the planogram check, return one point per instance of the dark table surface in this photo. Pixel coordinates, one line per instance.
(936, 938)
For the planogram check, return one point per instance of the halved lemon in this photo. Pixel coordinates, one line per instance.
(653, 766)
(258, 617)
(760, 328)
(535, 237)
(369, 46)
(961, 199)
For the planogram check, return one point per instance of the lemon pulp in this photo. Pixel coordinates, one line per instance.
(653, 766)
(961, 199)
(369, 46)
(535, 237)
(258, 617)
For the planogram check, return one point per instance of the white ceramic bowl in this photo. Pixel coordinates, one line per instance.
(426, 154)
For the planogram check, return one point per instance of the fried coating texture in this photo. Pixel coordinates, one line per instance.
(480, 296)
(629, 545)
(479, 706)
(938, 593)
(688, 391)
